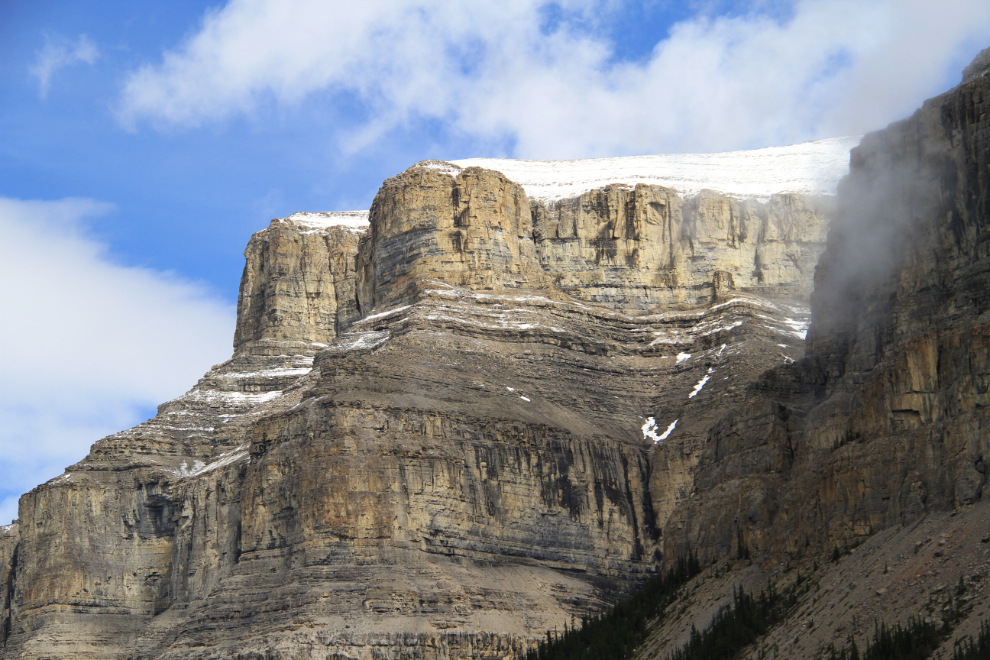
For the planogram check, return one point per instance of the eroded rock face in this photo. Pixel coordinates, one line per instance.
(472, 231)
(298, 285)
(630, 248)
(885, 419)
(436, 439)
(642, 247)
(8, 564)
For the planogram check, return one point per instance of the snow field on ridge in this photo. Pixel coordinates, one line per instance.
(810, 168)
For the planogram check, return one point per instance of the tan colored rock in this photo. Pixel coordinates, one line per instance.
(629, 248)
(297, 286)
(883, 421)
(430, 440)
(427, 226)
(651, 248)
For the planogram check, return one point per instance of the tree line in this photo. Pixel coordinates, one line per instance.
(615, 633)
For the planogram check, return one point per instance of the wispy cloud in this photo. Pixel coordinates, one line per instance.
(491, 69)
(88, 347)
(58, 53)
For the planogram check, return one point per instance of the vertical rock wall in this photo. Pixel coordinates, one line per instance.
(886, 418)
(474, 230)
(644, 246)
(628, 248)
(298, 285)
(8, 565)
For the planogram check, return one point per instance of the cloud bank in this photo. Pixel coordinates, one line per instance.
(499, 70)
(89, 347)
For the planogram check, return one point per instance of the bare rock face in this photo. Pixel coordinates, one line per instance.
(474, 230)
(8, 564)
(438, 438)
(297, 286)
(642, 247)
(882, 421)
(978, 67)
(630, 248)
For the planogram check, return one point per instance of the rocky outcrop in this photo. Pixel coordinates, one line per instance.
(8, 565)
(298, 284)
(883, 421)
(978, 67)
(643, 247)
(436, 439)
(630, 248)
(474, 230)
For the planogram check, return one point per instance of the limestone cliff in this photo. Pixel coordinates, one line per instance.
(874, 444)
(436, 438)
(878, 435)
(298, 283)
(881, 421)
(629, 248)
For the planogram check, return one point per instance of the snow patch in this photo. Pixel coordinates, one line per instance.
(524, 399)
(186, 472)
(650, 430)
(386, 313)
(269, 373)
(353, 220)
(700, 384)
(361, 340)
(62, 478)
(235, 398)
(721, 328)
(748, 300)
(799, 328)
(440, 166)
(681, 357)
(199, 467)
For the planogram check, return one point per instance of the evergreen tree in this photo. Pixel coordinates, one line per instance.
(615, 633)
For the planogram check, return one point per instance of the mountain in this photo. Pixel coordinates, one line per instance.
(522, 387)
(874, 443)
(444, 428)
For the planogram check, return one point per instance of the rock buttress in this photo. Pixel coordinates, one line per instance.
(629, 248)
(885, 419)
(298, 285)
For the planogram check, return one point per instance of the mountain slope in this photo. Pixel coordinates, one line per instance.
(436, 438)
(876, 439)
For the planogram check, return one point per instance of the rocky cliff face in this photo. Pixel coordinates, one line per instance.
(875, 442)
(628, 248)
(298, 283)
(436, 438)
(881, 422)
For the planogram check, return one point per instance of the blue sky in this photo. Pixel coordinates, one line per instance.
(141, 144)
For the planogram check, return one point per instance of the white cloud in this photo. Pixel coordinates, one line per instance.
(58, 53)
(488, 70)
(87, 345)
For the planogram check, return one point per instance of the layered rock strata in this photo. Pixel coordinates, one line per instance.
(884, 420)
(629, 248)
(436, 439)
